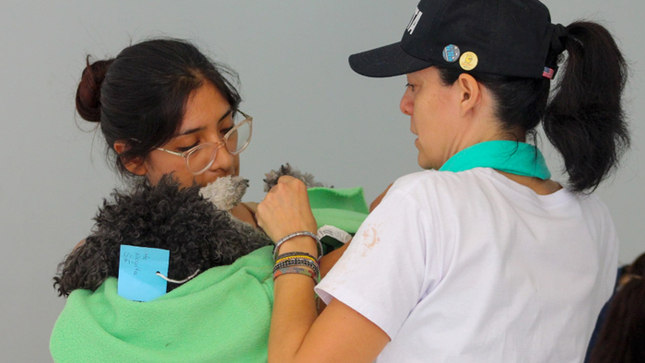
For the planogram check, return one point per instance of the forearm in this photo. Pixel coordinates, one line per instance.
(294, 312)
(294, 307)
(297, 335)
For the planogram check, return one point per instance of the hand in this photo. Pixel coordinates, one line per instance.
(285, 209)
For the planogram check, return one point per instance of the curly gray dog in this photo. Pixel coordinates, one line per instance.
(197, 234)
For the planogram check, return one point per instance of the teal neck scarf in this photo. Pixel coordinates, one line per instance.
(508, 156)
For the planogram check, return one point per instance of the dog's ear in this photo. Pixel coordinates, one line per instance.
(85, 268)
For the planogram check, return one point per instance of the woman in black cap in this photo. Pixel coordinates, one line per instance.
(481, 257)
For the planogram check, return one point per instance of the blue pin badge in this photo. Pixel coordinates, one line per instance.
(451, 53)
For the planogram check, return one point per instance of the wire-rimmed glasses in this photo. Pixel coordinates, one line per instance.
(202, 156)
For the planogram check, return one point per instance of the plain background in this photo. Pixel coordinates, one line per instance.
(310, 110)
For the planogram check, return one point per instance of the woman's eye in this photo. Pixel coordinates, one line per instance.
(186, 148)
(225, 131)
(410, 86)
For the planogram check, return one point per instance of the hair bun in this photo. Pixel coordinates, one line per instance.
(88, 94)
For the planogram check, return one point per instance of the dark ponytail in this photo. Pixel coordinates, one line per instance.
(585, 119)
(622, 337)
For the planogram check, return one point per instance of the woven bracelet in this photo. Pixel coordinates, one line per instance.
(297, 261)
(297, 270)
(296, 234)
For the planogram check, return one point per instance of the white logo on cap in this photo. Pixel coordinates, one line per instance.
(414, 21)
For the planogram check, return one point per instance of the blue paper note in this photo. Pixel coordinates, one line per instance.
(138, 266)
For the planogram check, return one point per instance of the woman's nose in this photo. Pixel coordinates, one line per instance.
(223, 159)
(407, 103)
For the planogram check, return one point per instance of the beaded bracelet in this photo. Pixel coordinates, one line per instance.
(284, 258)
(297, 261)
(296, 270)
(299, 254)
(296, 234)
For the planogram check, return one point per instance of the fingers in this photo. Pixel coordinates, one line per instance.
(285, 209)
(285, 179)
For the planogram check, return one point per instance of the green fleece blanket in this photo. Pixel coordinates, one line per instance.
(222, 315)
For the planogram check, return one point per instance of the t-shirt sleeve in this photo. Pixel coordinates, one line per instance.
(384, 272)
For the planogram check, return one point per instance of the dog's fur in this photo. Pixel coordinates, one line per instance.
(197, 234)
(271, 178)
(225, 192)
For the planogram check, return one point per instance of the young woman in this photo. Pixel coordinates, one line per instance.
(165, 108)
(482, 257)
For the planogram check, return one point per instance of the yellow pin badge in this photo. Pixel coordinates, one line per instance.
(468, 61)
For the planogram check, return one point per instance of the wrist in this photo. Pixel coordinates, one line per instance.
(304, 244)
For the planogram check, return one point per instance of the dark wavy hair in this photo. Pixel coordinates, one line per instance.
(139, 97)
(584, 119)
(165, 216)
(622, 337)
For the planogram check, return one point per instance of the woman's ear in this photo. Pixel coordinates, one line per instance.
(134, 165)
(470, 93)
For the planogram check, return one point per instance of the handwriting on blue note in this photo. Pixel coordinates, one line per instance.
(138, 266)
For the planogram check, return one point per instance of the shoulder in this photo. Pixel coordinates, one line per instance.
(597, 215)
(421, 200)
(592, 202)
(435, 186)
(428, 178)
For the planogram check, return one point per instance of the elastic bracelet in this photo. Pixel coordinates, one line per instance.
(296, 270)
(296, 234)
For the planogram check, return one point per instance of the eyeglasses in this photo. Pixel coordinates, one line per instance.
(202, 156)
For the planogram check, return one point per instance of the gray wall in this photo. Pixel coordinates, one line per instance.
(310, 110)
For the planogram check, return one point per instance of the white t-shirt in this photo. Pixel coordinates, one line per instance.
(473, 267)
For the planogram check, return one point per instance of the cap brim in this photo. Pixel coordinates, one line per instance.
(390, 60)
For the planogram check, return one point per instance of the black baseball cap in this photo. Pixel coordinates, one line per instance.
(502, 37)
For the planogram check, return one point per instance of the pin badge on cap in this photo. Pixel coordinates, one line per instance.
(468, 61)
(451, 53)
